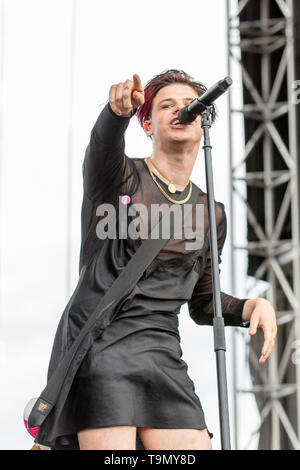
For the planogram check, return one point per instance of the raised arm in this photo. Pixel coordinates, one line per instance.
(201, 307)
(104, 166)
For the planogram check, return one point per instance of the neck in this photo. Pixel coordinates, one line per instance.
(174, 166)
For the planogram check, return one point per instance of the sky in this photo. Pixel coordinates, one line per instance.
(58, 61)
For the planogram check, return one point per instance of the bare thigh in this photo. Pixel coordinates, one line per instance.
(108, 438)
(171, 439)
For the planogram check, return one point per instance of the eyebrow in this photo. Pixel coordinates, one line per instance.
(172, 99)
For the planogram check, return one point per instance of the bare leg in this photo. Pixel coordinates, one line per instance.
(108, 438)
(172, 439)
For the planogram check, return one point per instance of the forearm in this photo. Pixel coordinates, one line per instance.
(201, 309)
(104, 158)
(109, 128)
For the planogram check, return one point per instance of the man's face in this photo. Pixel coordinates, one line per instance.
(165, 107)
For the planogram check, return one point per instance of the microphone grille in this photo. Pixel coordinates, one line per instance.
(226, 83)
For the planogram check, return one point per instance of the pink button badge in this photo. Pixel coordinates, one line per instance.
(125, 199)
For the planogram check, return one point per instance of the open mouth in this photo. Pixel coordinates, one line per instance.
(178, 124)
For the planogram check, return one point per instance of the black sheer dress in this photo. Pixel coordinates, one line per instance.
(132, 372)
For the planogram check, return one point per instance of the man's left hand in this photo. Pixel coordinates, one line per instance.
(261, 314)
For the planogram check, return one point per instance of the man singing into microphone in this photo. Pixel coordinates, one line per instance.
(132, 380)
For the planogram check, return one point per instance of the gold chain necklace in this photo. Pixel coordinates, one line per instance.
(162, 190)
(171, 185)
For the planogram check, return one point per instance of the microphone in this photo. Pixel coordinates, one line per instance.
(197, 106)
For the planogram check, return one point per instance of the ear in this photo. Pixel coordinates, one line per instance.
(147, 127)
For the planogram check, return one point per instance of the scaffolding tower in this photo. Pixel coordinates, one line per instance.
(265, 182)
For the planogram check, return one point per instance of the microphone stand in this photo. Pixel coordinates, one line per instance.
(218, 321)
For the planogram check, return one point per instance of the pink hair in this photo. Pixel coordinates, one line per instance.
(143, 112)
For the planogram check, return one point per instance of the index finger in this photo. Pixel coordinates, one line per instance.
(137, 84)
(267, 340)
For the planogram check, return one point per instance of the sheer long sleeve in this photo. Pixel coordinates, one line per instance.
(107, 172)
(105, 162)
(201, 306)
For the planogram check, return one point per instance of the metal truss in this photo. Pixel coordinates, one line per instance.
(279, 258)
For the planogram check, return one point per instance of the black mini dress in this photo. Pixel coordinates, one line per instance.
(132, 371)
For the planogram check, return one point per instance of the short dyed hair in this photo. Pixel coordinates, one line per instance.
(165, 78)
